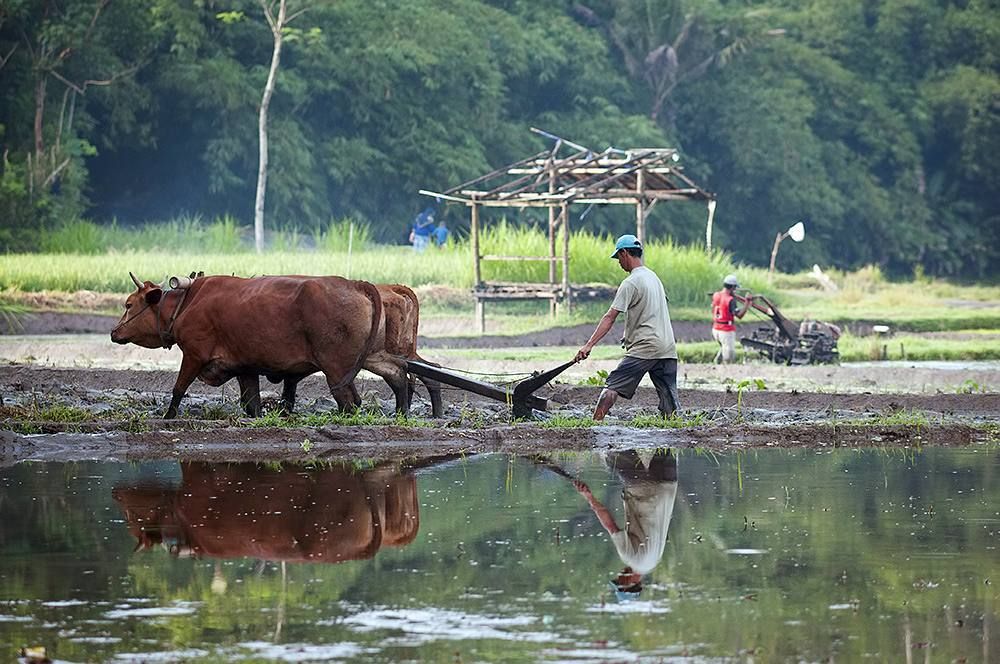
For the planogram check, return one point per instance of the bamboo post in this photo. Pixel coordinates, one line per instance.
(477, 274)
(565, 259)
(474, 224)
(640, 206)
(708, 226)
(774, 253)
(552, 242)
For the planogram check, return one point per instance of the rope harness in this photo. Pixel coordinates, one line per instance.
(166, 337)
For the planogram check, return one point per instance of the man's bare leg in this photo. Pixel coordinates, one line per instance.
(604, 404)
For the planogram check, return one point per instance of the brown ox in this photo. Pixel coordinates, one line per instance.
(288, 326)
(402, 321)
(294, 514)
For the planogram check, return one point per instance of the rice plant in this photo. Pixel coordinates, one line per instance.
(339, 236)
(82, 255)
(77, 236)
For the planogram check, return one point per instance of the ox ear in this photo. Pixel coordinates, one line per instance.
(153, 295)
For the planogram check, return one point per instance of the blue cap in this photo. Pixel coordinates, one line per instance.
(626, 242)
(622, 594)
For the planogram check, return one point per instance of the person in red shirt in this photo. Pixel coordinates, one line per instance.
(726, 308)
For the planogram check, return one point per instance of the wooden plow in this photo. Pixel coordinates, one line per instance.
(521, 398)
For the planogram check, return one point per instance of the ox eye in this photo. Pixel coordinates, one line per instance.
(128, 306)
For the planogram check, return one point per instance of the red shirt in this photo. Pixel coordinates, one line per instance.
(722, 311)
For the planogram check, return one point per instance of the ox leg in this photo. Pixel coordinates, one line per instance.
(288, 394)
(401, 387)
(411, 387)
(434, 390)
(190, 368)
(250, 394)
(392, 370)
(347, 399)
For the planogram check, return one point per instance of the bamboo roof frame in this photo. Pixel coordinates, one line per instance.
(555, 179)
(584, 176)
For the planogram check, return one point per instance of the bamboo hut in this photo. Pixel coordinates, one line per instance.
(568, 174)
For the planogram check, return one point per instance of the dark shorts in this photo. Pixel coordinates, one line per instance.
(663, 372)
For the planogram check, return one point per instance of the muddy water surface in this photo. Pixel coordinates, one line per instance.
(773, 555)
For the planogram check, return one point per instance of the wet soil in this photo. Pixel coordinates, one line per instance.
(96, 384)
(121, 408)
(115, 395)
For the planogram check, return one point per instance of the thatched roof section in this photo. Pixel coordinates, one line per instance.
(582, 175)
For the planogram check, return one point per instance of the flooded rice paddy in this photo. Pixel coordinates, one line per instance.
(645, 555)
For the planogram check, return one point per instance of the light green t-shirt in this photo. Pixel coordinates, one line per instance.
(648, 333)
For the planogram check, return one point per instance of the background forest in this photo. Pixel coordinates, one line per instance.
(876, 121)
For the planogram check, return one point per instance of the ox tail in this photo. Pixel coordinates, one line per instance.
(377, 315)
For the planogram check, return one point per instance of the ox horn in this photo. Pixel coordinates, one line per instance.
(138, 284)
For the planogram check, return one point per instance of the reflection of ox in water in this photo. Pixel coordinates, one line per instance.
(402, 321)
(295, 514)
(274, 326)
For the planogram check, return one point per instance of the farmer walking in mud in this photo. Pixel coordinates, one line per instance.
(725, 310)
(649, 337)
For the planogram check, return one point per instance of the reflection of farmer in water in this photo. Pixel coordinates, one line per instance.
(648, 496)
(295, 514)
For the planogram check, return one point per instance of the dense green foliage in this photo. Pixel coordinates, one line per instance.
(876, 121)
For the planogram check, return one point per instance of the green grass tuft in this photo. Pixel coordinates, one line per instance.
(673, 422)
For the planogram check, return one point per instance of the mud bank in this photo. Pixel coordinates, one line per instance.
(391, 443)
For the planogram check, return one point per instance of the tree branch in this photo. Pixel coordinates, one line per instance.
(4, 59)
(268, 13)
(295, 15)
(114, 77)
(82, 88)
(67, 82)
(53, 174)
(99, 7)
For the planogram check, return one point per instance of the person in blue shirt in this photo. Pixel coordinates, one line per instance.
(423, 227)
(440, 234)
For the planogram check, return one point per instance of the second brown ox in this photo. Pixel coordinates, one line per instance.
(402, 321)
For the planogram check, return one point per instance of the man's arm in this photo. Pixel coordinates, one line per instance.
(603, 327)
(734, 307)
(602, 513)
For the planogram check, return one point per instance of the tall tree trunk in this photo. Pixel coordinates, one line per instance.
(258, 214)
(39, 114)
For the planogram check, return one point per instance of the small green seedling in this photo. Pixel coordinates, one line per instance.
(599, 378)
(742, 386)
